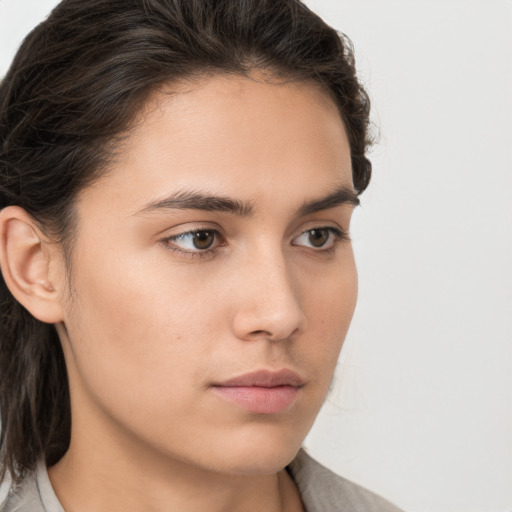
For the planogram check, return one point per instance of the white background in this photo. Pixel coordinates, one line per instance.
(422, 408)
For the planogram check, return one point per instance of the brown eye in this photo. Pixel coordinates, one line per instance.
(203, 239)
(196, 241)
(318, 237)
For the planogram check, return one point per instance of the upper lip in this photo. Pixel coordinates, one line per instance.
(264, 379)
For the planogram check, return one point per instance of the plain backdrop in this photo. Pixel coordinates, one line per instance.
(422, 407)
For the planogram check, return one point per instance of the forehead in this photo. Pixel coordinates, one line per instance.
(237, 136)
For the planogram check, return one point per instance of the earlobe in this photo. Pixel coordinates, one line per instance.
(25, 262)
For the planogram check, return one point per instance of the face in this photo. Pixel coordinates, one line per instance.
(213, 280)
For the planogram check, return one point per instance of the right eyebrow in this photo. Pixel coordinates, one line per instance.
(190, 200)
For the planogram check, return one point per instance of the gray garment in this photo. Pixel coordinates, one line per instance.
(321, 491)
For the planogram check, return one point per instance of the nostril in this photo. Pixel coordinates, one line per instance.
(261, 333)
(269, 335)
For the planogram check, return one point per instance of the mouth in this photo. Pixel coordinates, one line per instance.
(262, 391)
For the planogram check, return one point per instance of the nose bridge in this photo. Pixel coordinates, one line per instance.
(269, 302)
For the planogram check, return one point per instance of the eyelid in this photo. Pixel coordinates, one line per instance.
(334, 225)
(169, 242)
(337, 234)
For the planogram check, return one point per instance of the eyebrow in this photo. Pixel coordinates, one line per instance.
(188, 200)
(200, 201)
(342, 195)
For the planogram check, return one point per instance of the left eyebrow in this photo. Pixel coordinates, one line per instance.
(342, 195)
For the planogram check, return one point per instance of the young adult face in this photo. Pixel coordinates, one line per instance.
(215, 247)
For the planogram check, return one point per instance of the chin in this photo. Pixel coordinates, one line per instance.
(257, 454)
(258, 462)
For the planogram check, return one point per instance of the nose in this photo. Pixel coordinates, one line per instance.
(268, 304)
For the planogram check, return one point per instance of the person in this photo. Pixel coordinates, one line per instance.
(177, 179)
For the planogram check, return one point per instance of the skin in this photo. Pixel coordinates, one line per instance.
(149, 322)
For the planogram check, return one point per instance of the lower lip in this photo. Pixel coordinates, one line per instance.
(259, 400)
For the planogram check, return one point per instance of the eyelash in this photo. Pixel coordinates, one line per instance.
(336, 236)
(198, 253)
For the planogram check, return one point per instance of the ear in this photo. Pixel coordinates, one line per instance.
(25, 261)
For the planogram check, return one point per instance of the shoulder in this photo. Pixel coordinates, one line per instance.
(33, 494)
(324, 491)
(21, 498)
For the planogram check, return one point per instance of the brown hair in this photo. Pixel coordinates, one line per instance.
(74, 87)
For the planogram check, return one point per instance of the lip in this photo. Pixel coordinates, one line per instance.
(261, 391)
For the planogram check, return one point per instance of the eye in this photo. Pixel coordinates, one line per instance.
(320, 238)
(200, 240)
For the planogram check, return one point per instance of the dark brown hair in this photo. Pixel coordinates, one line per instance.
(74, 87)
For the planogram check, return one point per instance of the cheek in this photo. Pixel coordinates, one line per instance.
(330, 297)
(330, 305)
(135, 326)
